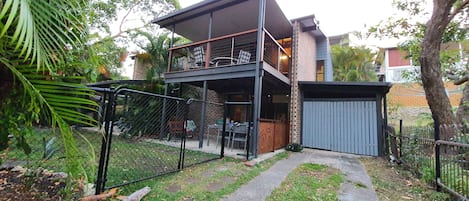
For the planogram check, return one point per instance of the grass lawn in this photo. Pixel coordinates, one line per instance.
(309, 182)
(129, 159)
(392, 183)
(136, 159)
(208, 181)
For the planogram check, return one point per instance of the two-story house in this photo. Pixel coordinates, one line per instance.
(247, 50)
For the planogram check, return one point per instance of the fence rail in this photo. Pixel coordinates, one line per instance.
(149, 135)
(438, 153)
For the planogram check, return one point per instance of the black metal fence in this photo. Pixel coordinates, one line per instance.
(149, 135)
(438, 153)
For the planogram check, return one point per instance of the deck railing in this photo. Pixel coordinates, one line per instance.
(225, 51)
(275, 55)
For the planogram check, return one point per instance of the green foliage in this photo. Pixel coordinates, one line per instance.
(36, 37)
(157, 46)
(16, 121)
(131, 18)
(353, 64)
(458, 178)
(428, 174)
(295, 147)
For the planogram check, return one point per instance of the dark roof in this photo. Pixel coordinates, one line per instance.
(229, 17)
(344, 89)
(200, 7)
(310, 24)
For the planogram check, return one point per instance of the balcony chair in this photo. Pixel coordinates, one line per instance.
(199, 57)
(243, 57)
(240, 134)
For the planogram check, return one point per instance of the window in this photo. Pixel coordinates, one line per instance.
(320, 70)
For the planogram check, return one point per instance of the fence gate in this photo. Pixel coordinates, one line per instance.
(145, 137)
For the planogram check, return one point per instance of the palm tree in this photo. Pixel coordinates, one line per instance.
(36, 40)
(353, 64)
(157, 47)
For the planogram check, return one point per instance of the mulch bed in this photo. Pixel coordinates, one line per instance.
(15, 185)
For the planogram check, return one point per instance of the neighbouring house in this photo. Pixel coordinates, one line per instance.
(141, 66)
(395, 64)
(408, 96)
(346, 39)
(248, 51)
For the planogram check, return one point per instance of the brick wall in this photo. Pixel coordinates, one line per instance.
(295, 106)
(413, 95)
(214, 110)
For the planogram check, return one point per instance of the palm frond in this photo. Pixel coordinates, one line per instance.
(41, 30)
(59, 100)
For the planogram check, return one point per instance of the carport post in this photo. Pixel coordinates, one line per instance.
(259, 75)
(202, 115)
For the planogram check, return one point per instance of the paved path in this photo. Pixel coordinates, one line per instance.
(263, 185)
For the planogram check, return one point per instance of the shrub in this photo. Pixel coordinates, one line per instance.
(295, 147)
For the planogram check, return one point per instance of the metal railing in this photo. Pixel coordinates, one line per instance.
(149, 135)
(224, 51)
(438, 153)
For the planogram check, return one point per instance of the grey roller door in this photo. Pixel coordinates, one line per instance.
(343, 126)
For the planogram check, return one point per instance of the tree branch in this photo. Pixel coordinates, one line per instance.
(461, 80)
(119, 34)
(458, 9)
(125, 16)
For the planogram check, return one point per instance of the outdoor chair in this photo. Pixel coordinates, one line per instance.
(240, 134)
(243, 57)
(227, 135)
(199, 56)
(175, 129)
(190, 128)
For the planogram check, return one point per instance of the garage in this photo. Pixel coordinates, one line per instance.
(344, 117)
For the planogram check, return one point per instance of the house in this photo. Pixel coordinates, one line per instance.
(248, 51)
(395, 64)
(141, 65)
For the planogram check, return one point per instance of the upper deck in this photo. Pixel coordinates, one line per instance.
(224, 41)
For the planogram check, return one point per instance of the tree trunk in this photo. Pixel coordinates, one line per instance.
(463, 110)
(433, 85)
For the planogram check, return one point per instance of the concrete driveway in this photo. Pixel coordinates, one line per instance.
(357, 185)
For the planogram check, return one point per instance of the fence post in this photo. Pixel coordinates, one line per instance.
(400, 138)
(104, 155)
(437, 152)
(225, 115)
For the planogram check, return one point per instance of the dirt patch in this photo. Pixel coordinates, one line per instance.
(173, 188)
(224, 181)
(392, 182)
(192, 180)
(15, 185)
(208, 173)
(227, 166)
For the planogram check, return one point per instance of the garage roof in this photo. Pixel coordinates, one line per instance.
(344, 89)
